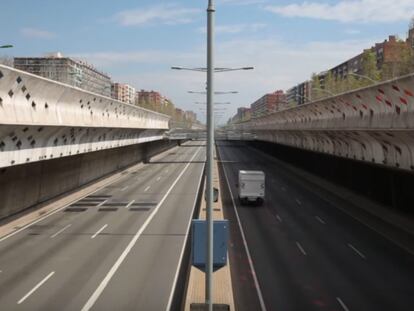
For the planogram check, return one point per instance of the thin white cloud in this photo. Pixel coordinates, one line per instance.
(363, 11)
(169, 14)
(352, 31)
(155, 57)
(235, 28)
(37, 33)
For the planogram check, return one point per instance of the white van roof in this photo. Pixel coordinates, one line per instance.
(244, 172)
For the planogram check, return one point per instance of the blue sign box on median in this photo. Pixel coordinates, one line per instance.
(199, 246)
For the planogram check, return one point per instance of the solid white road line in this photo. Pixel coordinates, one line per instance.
(320, 220)
(129, 204)
(146, 189)
(298, 201)
(249, 257)
(60, 231)
(125, 188)
(99, 231)
(356, 250)
(342, 304)
(36, 287)
(102, 203)
(91, 301)
(278, 218)
(301, 248)
(170, 299)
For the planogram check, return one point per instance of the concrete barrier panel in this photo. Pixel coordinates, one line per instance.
(23, 186)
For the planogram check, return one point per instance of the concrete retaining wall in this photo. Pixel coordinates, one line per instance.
(23, 186)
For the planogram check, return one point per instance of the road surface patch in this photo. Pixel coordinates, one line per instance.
(75, 209)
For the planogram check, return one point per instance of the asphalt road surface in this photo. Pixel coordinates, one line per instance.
(117, 249)
(306, 254)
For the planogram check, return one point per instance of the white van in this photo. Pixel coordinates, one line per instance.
(251, 186)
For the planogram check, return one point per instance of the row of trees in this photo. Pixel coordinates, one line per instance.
(370, 72)
(168, 108)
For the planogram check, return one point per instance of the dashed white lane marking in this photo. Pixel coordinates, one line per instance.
(298, 201)
(342, 304)
(356, 250)
(320, 220)
(92, 299)
(167, 171)
(99, 231)
(60, 231)
(158, 178)
(278, 218)
(125, 188)
(129, 204)
(36, 287)
(102, 203)
(146, 189)
(301, 248)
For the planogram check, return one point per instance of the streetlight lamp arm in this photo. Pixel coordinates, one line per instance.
(362, 76)
(216, 69)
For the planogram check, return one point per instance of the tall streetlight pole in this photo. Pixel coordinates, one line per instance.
(210, 156)
(210, 145)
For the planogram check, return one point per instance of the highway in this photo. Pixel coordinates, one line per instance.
(119, 248)
(306, 253)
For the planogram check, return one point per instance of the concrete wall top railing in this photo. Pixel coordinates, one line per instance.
(373, 124)
(388, 105)
(27, 99)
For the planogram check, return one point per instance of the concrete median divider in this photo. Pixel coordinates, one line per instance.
(222, 285)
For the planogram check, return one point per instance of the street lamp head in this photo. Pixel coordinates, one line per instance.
(247, 68)
(176, 68)
(6, 46)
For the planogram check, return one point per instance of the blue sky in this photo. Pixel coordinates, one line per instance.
(136, 42)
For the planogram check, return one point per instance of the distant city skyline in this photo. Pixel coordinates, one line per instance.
(137, 43)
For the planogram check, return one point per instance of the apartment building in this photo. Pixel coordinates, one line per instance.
(268, 104)
(67, 70)
(123, 92)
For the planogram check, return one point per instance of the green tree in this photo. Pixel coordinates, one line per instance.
(352, 83)
(369, 66)
(316, 86)
(329, 84)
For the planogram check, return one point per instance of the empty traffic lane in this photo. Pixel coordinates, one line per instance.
(69, 260)
(309, 255)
